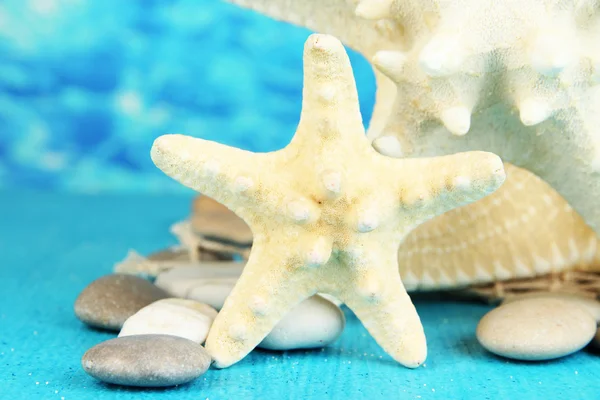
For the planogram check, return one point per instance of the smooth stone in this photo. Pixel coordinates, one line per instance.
(213, 220)
(146, 361)
(213, 291)
(209, 283)
(590, 304)
(315, 322)
(177, 254)
(181, 255)
(178, 317)
(536, 329)
(108, 301)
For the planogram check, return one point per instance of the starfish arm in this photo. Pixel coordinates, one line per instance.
(380, 301)
(565, 157)
(498, 238)
(271, 284)
(229, 175)
(442, 183)
(330, 17)
(330, 104)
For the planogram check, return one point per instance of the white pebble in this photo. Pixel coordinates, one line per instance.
(536, 329)
(177, 317)
(212, 291)
(315, 322)
(209, 283)
(589, 304)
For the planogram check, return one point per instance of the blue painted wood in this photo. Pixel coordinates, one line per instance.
(53, 245)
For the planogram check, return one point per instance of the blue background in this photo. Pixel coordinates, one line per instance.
(86, 86)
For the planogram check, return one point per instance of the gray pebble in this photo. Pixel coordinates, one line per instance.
(536, 329)
(108, 301)
(146, 361)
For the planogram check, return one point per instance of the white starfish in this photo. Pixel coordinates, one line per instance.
(327, 213)
(521, 231)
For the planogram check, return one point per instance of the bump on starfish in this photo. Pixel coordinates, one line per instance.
(307, 241)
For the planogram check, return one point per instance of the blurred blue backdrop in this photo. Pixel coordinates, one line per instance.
(86, 86)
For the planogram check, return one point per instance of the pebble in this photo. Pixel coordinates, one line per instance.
(178, 317)
(209, 283)
(590, 304)
(213, 220)
(536, 329)
(108, 301)
(177, 254)
(316, 322)
(181, 255)
(146, 361)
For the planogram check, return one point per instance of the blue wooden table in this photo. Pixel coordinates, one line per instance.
(53, 245)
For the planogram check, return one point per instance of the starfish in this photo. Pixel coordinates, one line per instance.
(495, 239)
(518, 78)
(327, 213)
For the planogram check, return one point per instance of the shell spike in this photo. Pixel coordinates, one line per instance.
(441, 56)
(457, 120)
(374, 9)
(533, 111)
(391, 63)
(388, 145)
(552, 52)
